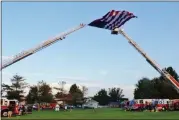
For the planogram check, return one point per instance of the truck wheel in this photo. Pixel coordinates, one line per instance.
(4, 114)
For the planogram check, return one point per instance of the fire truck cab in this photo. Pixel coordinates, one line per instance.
(174, 105)
(162, 104)
(4, 106)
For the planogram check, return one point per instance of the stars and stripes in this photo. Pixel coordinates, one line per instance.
(113, 19)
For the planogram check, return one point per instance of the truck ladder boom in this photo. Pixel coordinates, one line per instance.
(43, 45)
(163, 72)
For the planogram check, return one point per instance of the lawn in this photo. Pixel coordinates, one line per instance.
(101, 113)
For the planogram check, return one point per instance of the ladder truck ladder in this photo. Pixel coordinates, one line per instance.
(163, 72)
(43, 45)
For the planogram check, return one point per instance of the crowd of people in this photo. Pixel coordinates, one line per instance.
(18, 110)
(59, 107)
(55, 107)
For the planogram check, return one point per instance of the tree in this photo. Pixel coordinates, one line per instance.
(77, 98)
(102, 97)
(77, 95)
(84, 91)
(5, 88)
(115, 94)
(58, 95)
(32, 96)
(172, 73)
(16, 90)
(159, 87)
(73, 89)
(143, 89)
(167, 87)
(44, 92)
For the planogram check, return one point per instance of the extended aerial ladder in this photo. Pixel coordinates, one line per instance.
(163, 72)
(43, 45)
(47, 43)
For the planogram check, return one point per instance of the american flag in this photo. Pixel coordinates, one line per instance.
(113, 19)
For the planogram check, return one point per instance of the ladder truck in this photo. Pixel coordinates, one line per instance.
(163, 72)
(43, 45)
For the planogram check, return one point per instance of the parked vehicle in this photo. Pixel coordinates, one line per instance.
(4, 106)
(174, 105)
(35, 107)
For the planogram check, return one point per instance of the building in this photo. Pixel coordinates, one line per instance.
(91, 103)
(64, 100)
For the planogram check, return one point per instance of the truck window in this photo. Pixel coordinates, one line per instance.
(6, 103)
(141, 101)
(12, 103)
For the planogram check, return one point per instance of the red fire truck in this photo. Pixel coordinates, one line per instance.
(162, 104)
(174, 104)
(4, 106)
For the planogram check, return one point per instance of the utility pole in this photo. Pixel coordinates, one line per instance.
(62, 83)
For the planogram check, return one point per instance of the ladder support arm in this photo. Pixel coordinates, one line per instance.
(164, 73)
(43, 45)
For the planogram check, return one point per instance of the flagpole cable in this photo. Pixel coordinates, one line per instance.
(41, 46)
(164, 73)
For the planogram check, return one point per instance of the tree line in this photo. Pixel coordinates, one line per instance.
(157, 87)
(145, 88)
(104, 97)
(42, 92)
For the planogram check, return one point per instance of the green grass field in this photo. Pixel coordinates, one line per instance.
(101, 113)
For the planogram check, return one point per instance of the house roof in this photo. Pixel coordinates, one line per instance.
(92, 101)
(65, 98)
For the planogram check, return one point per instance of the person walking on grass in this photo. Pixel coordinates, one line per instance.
(65, 107)
(94, 110)
(57, 107)
(70, 108)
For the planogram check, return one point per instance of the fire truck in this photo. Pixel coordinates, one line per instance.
(161, 103)
(4, 106)
(174, 105)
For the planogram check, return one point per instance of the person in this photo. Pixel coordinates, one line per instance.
(71, 108)
(65, 107)
(57, 107)
(150, 107)
(23, 109)
(16, 111)
(26, 107)
(10, 109)
(39, 107)
(155, 105)
(94, 109)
